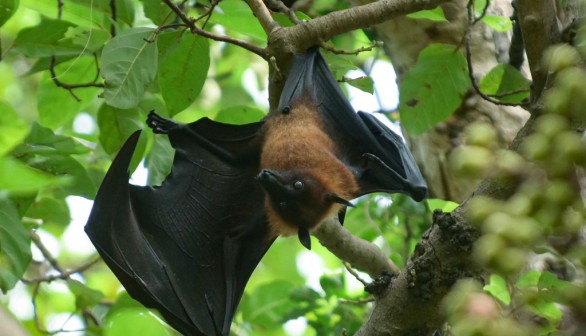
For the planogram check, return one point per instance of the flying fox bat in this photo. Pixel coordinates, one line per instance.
(189, 246)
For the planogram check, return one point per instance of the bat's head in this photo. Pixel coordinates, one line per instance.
(299, 199)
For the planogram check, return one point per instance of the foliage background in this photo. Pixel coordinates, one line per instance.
(66, 109)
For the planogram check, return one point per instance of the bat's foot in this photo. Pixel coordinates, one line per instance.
(159, 124)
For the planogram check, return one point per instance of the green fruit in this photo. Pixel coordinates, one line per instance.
(481, 135)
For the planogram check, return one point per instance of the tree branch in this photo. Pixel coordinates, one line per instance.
(360, 253)
(301, 37)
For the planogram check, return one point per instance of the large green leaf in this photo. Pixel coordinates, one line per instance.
(7, 9)
(433, 89)
(45, 39)
(129, 64)
(157, 11)
(507, 83)
(87, 38)
(81, 184)
(15, 242)
(12, 128)
(236, 15)
(160, 160)
(135, 321)
(86, 13)
(183, 68)
(58, 106)
(116, 126)
(51, 211)
(42, 140)
(20, 179)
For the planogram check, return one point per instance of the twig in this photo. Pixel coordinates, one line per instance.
(468, 37)
(71, 87)
(190, 22)
(354, 273)
(114, 17)
(281, 7)
(357, 302)
(482, 14)
(59, 9)
(46, 253)
(334, 50)
(208, 13)
(63, 275)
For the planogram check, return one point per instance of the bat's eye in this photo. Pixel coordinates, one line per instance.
(298, 185)
(286, 110)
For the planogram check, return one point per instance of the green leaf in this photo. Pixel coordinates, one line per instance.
(157, 11)
(305, 294)
(546, 309)
(42, 140)
(58, 106)
(506, 82)
(498, 23)
(433, 89)
(135, 321)
(76, 11)
(436, 14)
(124, 10)
(239, 115)
(88, 39)
(363, 83)
(50, 210)
(498, 288)
(12, 128)
(443, 205)
(339, 64)
(129, 64)
(20, 179)
(81, 184)
(160, 160)
(45, 38)
(15, 246)
(236, 15)
(528, 279)
(7, 9)
(183, 68)
(268, 304)
(116, 126)
(332, 284)
(84, 296)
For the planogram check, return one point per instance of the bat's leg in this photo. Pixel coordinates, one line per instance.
(159, 124)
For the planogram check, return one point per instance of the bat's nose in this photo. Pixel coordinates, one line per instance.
(267, 175)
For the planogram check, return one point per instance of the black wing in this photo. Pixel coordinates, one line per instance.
(188, 247)
(377, 156)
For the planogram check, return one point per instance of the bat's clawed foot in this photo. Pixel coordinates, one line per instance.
(159, 124)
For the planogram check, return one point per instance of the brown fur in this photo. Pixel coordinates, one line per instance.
(297, 141)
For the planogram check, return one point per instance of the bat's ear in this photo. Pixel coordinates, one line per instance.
(337, 199)
(304, 238)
